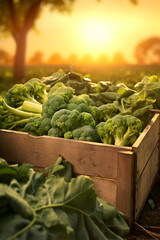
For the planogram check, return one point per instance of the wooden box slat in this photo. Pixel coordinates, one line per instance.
(146, 181)
(93, 159)
(145, 144)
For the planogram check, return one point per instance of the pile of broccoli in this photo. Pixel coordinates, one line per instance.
(56, 106)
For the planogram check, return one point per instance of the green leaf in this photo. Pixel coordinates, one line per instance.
(49, 207)
(61, 168)
(3, 163)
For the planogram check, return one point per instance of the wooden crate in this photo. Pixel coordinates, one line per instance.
(122, 175)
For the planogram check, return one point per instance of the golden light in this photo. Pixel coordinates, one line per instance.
(96, 36)
(95, 32)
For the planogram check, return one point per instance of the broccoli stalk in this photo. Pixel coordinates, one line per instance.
(18, 123)
(127, 129)
(18, 112)
(31, 107)
(12, 118)
(127, 138)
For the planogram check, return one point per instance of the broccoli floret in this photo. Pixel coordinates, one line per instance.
(89, 101)
(66, 92)
(18, 94)
(34, 126)
(38, 126)
(85, 133)
(37, 89)
(124, 129)
(87, 119)
(82, 103)
(133, 129)
(66, 120)
(53, 104)
(12, 122)
(105, 133)
(56, 101)
(55, 132)
(45, 125)
(78, 103)
(68, 135)
(55, 87)
(107, 111)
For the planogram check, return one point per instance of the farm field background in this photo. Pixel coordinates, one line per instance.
(128, 74)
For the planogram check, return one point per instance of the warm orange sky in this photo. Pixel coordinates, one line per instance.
(93, 28)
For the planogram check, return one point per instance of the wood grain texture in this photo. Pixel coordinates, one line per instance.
(145, 145)
(124, 201)
(93, 159)
(146, 180)
(105, 189)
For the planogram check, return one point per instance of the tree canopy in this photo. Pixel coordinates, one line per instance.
(148, 51)
(17, 17)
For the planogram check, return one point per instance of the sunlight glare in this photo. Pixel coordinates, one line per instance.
(96, 35)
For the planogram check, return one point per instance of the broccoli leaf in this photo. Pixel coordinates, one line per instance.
(57, 206)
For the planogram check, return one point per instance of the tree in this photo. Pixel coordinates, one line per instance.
(87, 59)
(148, 51)
(118, 58)
(73, 59)
(18, 17)
(55, 59)
(102, 59)
(37, 58)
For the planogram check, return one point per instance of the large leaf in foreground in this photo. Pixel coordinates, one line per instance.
(59, 208)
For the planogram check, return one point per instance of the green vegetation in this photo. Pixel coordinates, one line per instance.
(93, 112)
(120, 130)
(54, 205)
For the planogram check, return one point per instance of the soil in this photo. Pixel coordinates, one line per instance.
(147, 227)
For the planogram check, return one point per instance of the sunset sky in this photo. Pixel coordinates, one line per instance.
(93, 28)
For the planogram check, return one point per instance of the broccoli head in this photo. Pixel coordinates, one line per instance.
(107, 111)
(37, 89)
(105, 133)
(66, 120)
(32, 91)
(55, 132)
(89, 101)
(85, 133)
(53, 104)
(55, 87)
(33, 126)
(68, 135)
(78, 103)
(122, 129)
(87, 119)
(66, 92)
(45, 125)
(17, 95)
(38, 126)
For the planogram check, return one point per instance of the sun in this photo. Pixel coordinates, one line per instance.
(96, 36)
(95, 32)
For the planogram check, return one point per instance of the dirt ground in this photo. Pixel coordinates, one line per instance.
(147, 226)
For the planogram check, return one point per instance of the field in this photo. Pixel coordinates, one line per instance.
(128, 74)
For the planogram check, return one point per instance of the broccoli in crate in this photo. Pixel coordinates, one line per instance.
(121, 130)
